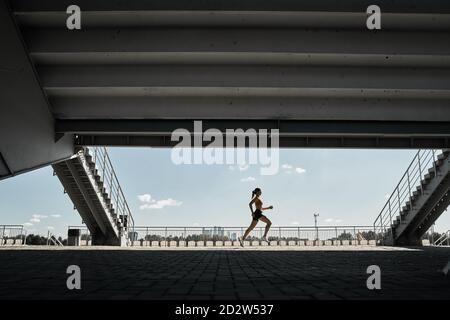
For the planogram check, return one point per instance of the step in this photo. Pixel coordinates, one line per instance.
(442, 156)
(428, 176)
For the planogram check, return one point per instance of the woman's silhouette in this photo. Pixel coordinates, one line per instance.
(257, 215)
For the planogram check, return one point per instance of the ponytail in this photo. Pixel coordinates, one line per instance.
(255, 191)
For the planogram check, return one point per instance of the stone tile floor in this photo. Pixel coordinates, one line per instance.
(321, 273)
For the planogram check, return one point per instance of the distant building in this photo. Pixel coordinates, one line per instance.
(214, 231)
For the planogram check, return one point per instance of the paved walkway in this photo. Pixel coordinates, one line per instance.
(108, 273)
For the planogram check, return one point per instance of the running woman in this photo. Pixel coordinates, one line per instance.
(257, 215)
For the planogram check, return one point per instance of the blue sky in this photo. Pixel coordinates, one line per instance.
(346, 187)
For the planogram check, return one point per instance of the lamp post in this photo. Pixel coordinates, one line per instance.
(315, 225)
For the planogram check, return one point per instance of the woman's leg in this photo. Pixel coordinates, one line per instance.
(268, 224)
(249, 229)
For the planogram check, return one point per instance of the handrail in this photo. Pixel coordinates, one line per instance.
(105, 170)
(445, 237)
(287, 232)
(422, 162)
(52, 238)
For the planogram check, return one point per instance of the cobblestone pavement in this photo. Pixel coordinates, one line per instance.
(224, 274)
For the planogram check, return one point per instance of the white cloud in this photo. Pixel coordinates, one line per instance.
(295, 223)
(195, 224)
(27, 224)
(35, 220)
(248, 179)
(300, 170)
(145, 197)
(39, 216)
(56, 216)
(289, 169)
(387, 195)
(331, 220)
(149, 203)
(50, 228)
(159, 204)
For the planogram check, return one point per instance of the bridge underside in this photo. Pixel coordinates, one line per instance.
(139, 69)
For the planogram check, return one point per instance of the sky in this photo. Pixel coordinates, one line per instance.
(344, 186)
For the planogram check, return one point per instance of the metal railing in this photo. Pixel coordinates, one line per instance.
(52, 240)
(443, 240)
(149, 233)
(412, 178)
(12, 233)
(105, 170)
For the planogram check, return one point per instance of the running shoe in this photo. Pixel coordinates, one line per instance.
(265, 239)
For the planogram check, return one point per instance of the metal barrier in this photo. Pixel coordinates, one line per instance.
(12, 234)
(443, 240)
(412, 178)
(321, 233)
(276, 233)
(105, 170)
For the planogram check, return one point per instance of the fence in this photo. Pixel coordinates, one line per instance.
(12, 234)
(232, 233)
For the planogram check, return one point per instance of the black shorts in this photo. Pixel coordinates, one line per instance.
(257, 214)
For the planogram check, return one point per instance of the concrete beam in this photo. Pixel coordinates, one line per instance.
(27, 137)
(293, 134)
(230, 18)
(223, 40)
(246, 81)
(412, 6)
(251, 108)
